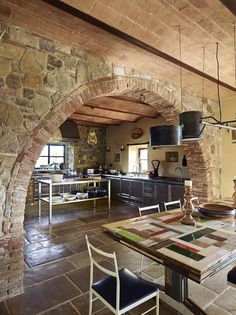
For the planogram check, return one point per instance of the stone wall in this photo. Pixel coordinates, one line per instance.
(41, 84)
(81, 155)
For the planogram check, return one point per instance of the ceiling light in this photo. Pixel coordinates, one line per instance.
(92, 137)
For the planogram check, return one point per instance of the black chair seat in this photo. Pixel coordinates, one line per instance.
(231, 276)
(132, 288)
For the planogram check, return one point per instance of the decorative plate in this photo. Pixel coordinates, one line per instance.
(215, 210)
(137, 133)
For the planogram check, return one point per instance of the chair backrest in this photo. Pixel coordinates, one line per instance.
(172, 204)
(148, 208)
(94, 261)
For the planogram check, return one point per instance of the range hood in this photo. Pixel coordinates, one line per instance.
(165, 136)
(69, 131)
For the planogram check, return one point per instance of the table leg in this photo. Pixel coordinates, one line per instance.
(109, 195)
(50, 205)
(176, 286)
(39, 192)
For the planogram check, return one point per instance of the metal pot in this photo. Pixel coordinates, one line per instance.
(62, 166)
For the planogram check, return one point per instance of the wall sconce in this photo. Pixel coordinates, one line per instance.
(122, 148)
(108, 149)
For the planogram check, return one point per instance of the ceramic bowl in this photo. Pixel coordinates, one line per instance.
(69, 197)
(81, 195)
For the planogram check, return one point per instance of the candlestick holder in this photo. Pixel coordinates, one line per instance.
(188, 207)
(234, 194)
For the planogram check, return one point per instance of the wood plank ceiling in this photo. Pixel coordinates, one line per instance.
(155, 23)
(103, 111)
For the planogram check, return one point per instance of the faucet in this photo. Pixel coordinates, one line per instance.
(180, 176)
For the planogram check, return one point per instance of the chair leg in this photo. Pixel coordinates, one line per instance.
(157, 303)
(141, 264)
(90, 302)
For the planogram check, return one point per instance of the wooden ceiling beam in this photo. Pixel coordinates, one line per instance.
(87, 124)
(123, 106)
(106, 113)
(101, 120)
(230, 5)
(138, 43)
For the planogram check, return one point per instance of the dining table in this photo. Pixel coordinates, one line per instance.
(195, 252)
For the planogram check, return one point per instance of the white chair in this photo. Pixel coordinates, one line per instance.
(120, 290)
(172, 205)
(148, 208)
(141, 213)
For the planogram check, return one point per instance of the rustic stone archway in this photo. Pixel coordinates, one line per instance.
(158, 97)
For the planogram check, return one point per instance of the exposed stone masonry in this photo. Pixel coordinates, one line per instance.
(42, 84)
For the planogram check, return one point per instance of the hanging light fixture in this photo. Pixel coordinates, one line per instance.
(193, 122)
(92, 137)
(190, 121)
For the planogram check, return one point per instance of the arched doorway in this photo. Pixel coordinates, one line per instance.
(155, 96)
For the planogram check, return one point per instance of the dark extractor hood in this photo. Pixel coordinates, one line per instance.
(69, 131)
(165, 136)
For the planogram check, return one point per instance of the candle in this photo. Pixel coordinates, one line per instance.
(188, 183)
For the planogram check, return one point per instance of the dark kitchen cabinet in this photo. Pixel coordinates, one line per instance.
(136, 191)
(177, 192)
(149, 193)
(115, 188)
(125, 189)
(162, 192)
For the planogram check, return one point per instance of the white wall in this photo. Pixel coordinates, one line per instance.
(228, 150)
(116, 136)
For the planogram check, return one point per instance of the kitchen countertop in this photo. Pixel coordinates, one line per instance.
(160, 179)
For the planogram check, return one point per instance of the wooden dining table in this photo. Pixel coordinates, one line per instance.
(187, 252)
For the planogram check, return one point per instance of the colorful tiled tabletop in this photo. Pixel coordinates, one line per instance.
(196, 252)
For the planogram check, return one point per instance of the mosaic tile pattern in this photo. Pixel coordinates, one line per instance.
(200, 251)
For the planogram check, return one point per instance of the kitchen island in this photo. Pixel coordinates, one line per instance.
(52, 200)
(146, 191)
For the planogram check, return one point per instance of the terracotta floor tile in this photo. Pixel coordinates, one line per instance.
(36, 238)
(48, 271)
(40, 297)
(64, 309)
(81, 303)
(47, 254)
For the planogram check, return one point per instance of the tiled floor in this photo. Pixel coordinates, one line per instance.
(56, 275)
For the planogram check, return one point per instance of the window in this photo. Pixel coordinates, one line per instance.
(138, 158)
(51, 153)
(143, 160)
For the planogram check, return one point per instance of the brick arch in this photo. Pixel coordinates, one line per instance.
(156, 96)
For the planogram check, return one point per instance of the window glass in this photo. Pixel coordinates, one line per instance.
(51, 153)
(56, 150)
(138, 158)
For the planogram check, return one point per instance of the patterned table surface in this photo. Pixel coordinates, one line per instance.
(195, 252)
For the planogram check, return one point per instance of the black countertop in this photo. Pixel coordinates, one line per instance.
(160, 179)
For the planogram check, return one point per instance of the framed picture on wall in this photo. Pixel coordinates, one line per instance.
(117, 157)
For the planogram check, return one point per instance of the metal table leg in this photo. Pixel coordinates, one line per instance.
(50, 205)
(109, 195)
(39, 192)
(176, 286)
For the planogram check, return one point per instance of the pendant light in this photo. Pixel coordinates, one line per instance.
(190, 121)
(92, 137)
(167, 135)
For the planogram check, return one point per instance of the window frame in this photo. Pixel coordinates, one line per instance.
(139, 159)
(49, 156)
